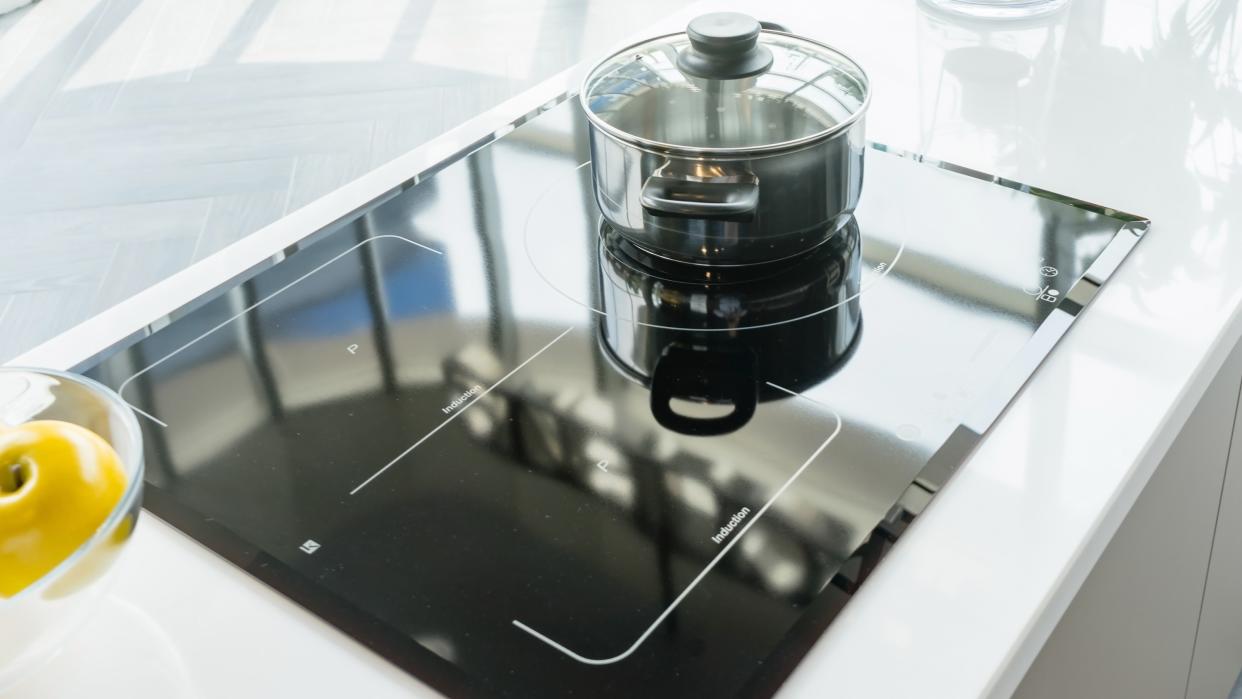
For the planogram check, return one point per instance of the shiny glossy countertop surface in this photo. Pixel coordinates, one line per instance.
(1129, 104)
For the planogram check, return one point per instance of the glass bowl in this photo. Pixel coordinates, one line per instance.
(36, 621)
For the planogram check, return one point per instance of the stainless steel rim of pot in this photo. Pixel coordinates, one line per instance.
(662, 148)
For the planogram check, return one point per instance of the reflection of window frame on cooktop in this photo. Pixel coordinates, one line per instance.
(463, 408)
(733, 540)
(242, 313)
(690, 587)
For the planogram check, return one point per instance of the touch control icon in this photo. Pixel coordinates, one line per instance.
(1044, 293)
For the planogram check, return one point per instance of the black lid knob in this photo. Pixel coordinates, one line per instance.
(724, 46)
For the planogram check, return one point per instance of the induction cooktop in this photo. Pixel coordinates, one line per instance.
(517, 456)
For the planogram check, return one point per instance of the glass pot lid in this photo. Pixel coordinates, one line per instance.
(725, 85)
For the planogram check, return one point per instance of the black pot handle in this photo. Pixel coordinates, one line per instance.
(713, 376)
(710, 200)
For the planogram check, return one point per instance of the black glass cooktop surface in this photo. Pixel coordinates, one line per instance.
(515, 455)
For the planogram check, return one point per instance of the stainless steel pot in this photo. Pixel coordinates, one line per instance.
(727, 144)
(719, 337)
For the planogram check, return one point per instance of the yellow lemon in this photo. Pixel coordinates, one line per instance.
(58, 483)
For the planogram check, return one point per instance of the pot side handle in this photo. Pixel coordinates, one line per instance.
(715, 201)
(682, 372)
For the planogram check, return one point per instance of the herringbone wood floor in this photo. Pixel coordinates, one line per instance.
(137, 136)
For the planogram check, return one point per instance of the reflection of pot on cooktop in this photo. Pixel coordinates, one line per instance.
(728, 337)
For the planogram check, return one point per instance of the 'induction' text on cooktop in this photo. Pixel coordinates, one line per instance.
(727, 529)
(461, 400)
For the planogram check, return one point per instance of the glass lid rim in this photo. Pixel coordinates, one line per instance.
(664, 147)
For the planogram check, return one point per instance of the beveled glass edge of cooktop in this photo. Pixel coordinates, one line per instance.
(994, 400)
(1141, 222)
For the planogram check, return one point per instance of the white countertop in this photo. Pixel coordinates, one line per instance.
(1113, 103)
(138, 137)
